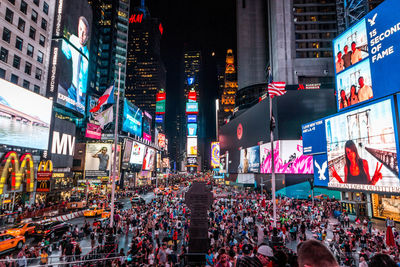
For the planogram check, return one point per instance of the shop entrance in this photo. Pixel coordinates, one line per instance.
(355, 203)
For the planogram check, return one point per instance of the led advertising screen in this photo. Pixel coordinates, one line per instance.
(137, 154)
(165, 163)
(223, 163)
(93, 131)
(369, 68)
(24, 117)
(313, 135)
(62, 143)
(215, 154)
(161, 140)
(149, 158)
(192, 96)
(288, 158)
(249, 160)
(132, 120)
(192, 108)
(147, 118)
(159, 118)
(98, 159)
(127, 150)
(192, 118)
(192, 129)
(362, 150)
(192, 146)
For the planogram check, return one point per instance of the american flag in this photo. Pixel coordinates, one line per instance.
(276, 89)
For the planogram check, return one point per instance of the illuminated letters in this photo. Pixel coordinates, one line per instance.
(11, 164)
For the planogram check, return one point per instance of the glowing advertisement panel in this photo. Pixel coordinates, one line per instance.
(192, 108)
(192, 129)
(161, 140)
(149, 158)
(362, 151)
(215, 154)
(223, 163)
(132, 120)
(137, 153)
(192, 118)
(98, 159)
(192, 146)
(93, 131)
(249, 160)
(24, 117)
(127, 150)
(147, 118)
(367, 56)
(313, 135)
(288, 158)
(159, 119)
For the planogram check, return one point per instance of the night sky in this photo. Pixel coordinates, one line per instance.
(199, 25)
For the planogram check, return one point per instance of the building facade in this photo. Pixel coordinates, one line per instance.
(26, 28)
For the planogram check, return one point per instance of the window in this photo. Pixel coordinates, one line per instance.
(21, 25)
(36, 2)
(36, 89)
(38, 74)
(24, 7)
(29, 50)
(34, 15)
(9, 15)
(45, 8)
(26, 84)
(14, 78)
(12, 1)
(44, 24)
(2, 73)
(42, 40)
(32, 32)
(40, 57)
(16, 62)
(4, 54)
(6, 35)
(28, 68)
(18, 43)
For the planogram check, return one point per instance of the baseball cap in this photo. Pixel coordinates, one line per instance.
(265, 251)
(247, 248)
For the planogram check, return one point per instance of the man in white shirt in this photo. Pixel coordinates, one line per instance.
(365, 91)
(355, 53)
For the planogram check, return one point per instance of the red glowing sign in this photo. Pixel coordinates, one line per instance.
(192, 96)
(136, 18)
(160, 96)
(160, 27)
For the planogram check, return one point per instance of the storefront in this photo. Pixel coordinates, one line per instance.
(355, 204)
(386, 206)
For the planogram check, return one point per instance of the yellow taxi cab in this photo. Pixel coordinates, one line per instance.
(9, 242)
(106, 213)
(162, 188)
(93, 211)
(175, 188)
(22, 229)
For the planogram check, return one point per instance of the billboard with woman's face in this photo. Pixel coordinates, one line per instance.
(362, 151)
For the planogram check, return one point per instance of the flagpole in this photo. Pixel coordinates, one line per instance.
(115, 151)
(272, 160)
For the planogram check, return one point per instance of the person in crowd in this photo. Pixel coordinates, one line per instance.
(339, 62)
(346, 57)
(355, 53)
(313, 253)
(343, 102)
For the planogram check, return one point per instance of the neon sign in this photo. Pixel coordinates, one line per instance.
(136, 18)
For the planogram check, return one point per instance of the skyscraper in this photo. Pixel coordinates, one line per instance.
(146, 73)
(192, 63)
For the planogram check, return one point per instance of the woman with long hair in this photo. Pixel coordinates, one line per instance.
(356, 170)
(344, 102)
(353, 95)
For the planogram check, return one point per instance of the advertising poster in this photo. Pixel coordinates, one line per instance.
(92, 102)
(321, 172)
(362, 150)
(288, 158)
(215, 154)
(149, 158)
(313, 134)
(63, 143)
(373, 43)
(98, 160)
(159, 162)
(223, 163)
(192, 118)
(137, 154)
(384, 206)
(165, 163)
(249, 160)
(24, 117)
(161, 140)
(93, 131)
(192, 161)
(159, 119)
(132, 120)
(192, 108)
(192, 129)
(192, 146)
(147, 119)
(127, 150)
(160, 102)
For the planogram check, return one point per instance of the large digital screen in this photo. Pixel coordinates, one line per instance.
(24, 117)
(161, 140)
(159, 118)
(62, 143)
(98, 159)
(132, 120)
(288, 158)
(192, 146)
(192, 129)
(223, 163)
(215, 154)
(313, 135)
(367, 57)
(149, 158)
(249, 160)
(386, 206)
(127, 150)
(192, 118)
(192, 108)
(362, 151)
(137, 153)
(147, 118)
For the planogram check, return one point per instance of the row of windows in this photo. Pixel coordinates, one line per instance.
(9, 16)
(19, 44)
(14, 79)
(17, 63)
(24, 6)
(303, 54)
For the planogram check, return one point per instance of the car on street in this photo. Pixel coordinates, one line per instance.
(106, 213)
(93, 211)
(175, 188)
(51, 229)
(9, 242)
(22, 229)
(136, 199)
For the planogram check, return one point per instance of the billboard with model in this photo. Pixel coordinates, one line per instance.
(132, 120)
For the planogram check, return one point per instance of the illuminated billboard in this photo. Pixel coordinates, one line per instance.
(93, 131)
(215, 154)
(367, 57)
(160, 102)
(98, 159)
(161, 140)
(132, 120)
(147, 118)
(192, 118)
(192, 108)
(362, 151)
(192, 96)
(149, 158)
(191, 146)
(159, 118)
(192, 129)
(137, 153)
(223, 163)
(127, 150)
(24, 117)
(249, 160)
